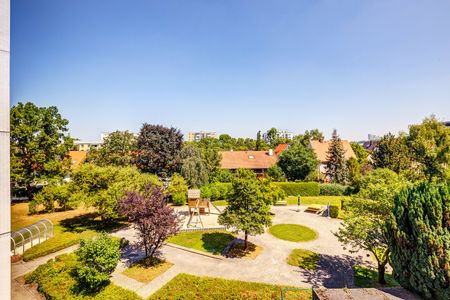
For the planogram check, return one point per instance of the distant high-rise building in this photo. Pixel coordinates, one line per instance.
(281, 133)
(197, 136)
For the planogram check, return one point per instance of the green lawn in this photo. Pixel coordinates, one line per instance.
(207, 241)
(220, 203)
(184, 286)
(304, 259)
(323, 200)
(367, 278)
(293, 232)
(148, 269)
(55, 281)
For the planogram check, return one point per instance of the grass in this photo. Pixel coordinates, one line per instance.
(322, 200)
(304, 259)
(207, 241)
(293, 232)
(184, 286)
(220, 203)
(55, 281)
(238, 251)
(367, 278)
(147, 269)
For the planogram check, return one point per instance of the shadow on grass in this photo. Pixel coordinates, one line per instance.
(215, 242)
(237, 249)
(91, 221)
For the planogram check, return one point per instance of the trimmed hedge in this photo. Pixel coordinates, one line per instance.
(334, 211)
(300, 188)
(344, 203)
(56, 243)
(332, 189)
(216, 191)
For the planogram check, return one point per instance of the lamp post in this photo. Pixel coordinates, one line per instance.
(328, 209)
(298, 203)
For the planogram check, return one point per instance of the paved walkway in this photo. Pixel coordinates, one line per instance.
(269, 267)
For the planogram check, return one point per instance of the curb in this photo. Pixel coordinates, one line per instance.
(194, 251)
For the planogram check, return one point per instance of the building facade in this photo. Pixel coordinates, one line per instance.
(197, 136)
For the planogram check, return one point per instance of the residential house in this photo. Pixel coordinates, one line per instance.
(320, 148)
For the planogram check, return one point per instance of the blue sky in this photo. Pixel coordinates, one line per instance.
(234, 66)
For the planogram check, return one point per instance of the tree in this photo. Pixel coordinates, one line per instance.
(222, 175)
(178, 189)
(117, 150)
(54, 192)
(210, 153)
(258, 141)
(297, 162)
(392, 153)
(193, 167)
(102, 187)
(151, 217)
(420, 239)
(272, 137)
(97, 260)
(39, 144)
(247, 209)
(159, 150)
(429, 145)
(276, 173)
(309, 135)
(364, 225)
(336, 167)
(361, 153)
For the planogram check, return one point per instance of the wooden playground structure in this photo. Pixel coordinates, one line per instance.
(197, 207)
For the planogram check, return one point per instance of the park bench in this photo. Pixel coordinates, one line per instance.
(315, 208)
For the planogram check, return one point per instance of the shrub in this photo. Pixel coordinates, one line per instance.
(178, 189)
(276, 173)
(205, 192)
(334, 211)
(216, 191)
(300, 188)
(332, 189)
(49, 195)
(344, 203)
(98, 258)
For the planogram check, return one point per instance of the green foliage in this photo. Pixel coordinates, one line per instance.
(429, 145)
(309, 135)
(298, 161)
(216, 191)
(420, 239)
(392, 153)
(55, 280)
(178, 189)
(210, 148)
(222, 175)
(184, 286)
(367, 278)
(39, 144)
(275, 173)
(332, 189)
(305, 259)
(361, 153)
(159, 150)
(336, 167)
(293, 232)
(98, 258)
(54, 192)
(272, 192)
(102, 187)
(300, 188)
(206, 241)
(334, 211)
(193, 167)
(56, 243)
(247, 209)
(117, 150)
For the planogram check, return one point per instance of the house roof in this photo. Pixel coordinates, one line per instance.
(280, 148)
(247, 160)
(321, 149)
(77, 157)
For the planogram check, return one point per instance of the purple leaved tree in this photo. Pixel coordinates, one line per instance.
(151, 216)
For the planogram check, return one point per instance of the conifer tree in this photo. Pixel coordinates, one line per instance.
(336, 168)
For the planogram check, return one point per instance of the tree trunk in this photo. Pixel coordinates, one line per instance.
(245, 241)
(30, 192)
(381, 272)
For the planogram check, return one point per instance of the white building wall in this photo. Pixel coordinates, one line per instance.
(5, 202)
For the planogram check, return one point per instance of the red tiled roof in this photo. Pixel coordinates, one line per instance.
(77, 157)
(247, 160)
(321, 149)
(280, 148)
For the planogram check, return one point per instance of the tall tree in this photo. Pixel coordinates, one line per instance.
(159, 149)
(151, 217)
(117, 150)
(336, 167)
(193, 167)
(392, 153)
(39, 144)
(210, 153)
(247, 209)
(429, 143)
(272, 137)
(258, 141)
(420, 240)
(309, 135)
(297, 162)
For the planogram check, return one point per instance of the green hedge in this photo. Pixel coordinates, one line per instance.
(56, 243)
(216, 191)
(334, 211)
(300, 188)
(332, 189)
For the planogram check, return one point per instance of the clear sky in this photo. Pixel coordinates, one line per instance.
(234, 66)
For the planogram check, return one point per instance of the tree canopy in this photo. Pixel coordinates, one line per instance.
(336, 167)
(117, 150)
(193, 167)
(298, 161)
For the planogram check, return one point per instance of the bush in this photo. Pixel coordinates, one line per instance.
(179, 199)
(344, 203)
(276, 173)
(98, 258)
(332, 189)
(49, 195)
(178, 189)
(300, 188)
(216, 191)
(334, 211)
(56, 243)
